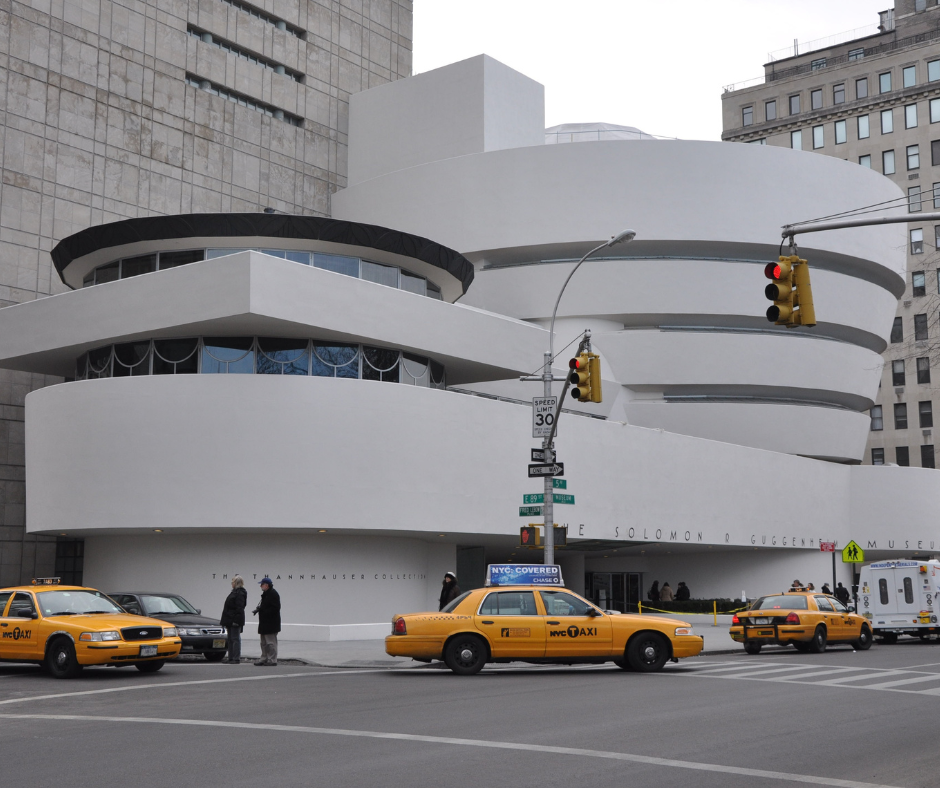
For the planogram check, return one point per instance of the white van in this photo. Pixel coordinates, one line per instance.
(899, 598)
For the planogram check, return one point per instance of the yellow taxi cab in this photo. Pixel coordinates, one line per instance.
(805, 619)
(524, 614)
(66, 628)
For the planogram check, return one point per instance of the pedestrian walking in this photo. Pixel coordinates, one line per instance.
(233, 619)
(826, 589)
(810, 587)
(653, 594)
(682, 592)
(796, 586)
(449, 590)
(269, 621)
(665, 593)
(842, 594)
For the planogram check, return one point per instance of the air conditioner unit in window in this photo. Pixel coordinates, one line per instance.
(908, 302)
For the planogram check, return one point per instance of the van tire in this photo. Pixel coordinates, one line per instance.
(818, 643)
(864, 639)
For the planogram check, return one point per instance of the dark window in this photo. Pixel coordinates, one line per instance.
(509, 603)
(815, 99)
(925, 413)
(282, 357)
(817, 64)
(927, 457)
(935, 152)
(908, 591)
(838, 94)
(770, 110)
(108, 273)
(174, 259)
(884, 82)
(747, 116)
(861, 88)
(883, 590)
(917, 247)
(877, 420)
(858, 54)
(897, 332)
(335, 361)
(900, 415)
(877, 456)
(795, 104)
(920, 327)
(919, 280)
(923, 370)
(228, 355)
(902, 456)
(175, 356)
(69, 560)
(134, 266)
(132, 358)
(897, 372)
(380, 364)
(823, 604)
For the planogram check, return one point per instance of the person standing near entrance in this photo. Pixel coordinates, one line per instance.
(842, 594)
(665, 593)
(449, 590)
(269, 621)
(653, 594)
(233, 619)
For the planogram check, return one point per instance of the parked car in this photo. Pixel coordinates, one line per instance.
(200, 634)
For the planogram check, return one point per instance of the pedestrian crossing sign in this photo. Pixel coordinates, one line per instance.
(853, 554)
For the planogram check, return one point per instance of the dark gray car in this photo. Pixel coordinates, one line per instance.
(200, 635)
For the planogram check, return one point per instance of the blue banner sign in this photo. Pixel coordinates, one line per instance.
(524, 575)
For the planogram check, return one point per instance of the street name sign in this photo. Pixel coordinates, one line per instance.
(853, 554)
(560, 484)
(540, 498)
(530, 511)
(549, 469)
(543, 416)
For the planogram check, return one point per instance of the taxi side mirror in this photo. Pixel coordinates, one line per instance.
(593, 612)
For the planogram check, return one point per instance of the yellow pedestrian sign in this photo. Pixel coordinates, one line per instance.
(853, 554)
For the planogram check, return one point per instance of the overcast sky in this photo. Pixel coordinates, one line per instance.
(655, 64)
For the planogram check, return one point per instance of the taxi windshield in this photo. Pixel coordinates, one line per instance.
(449, 608)
(75, 603)
(162, 605)
(781, 602)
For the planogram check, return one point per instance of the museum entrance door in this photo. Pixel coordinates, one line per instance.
(613, 590)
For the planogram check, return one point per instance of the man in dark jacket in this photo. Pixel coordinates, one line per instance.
(682, 593)
(269, 621)
(842, 594)
(449, 590)
(233, 619)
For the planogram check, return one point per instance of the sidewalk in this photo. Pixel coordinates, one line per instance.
(371, 653)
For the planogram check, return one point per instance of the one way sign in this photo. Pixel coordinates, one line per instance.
(547, 469)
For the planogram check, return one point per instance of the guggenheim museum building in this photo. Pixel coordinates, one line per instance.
(337, 402)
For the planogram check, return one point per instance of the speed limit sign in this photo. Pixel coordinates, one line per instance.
(543, 416)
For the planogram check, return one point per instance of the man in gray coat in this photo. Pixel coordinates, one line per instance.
(269, 621)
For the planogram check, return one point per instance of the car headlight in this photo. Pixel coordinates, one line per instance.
(683, 631)
(97, 637)
(172, 632)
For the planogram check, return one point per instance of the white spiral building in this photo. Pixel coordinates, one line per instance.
(725, 450)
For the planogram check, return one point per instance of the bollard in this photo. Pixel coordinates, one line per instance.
(639, 608)
(715, 611)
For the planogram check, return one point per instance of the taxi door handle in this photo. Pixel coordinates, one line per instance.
(556, 623)
(3, 624)
(486, 622)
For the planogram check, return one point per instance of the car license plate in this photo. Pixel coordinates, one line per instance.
(148, 651)
(761, 620)
(218, 644)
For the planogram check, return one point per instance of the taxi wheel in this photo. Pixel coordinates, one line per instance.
(752, 648)
(864, 640)
(61, 661)
(465, 655)
(801, 646)
(149, 667)
(648, 652)
(818, 644)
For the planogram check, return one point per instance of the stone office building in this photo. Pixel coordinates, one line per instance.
(129, 108)
(873, 101)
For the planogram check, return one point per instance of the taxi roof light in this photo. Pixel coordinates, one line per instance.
(46, 581)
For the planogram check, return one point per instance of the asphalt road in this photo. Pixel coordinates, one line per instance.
(840, 718)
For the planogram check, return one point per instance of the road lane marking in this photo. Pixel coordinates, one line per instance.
(495, 745)
(915, 680)
(763, 672)
(860, 677)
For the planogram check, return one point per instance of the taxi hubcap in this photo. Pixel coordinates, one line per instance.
(61, 658)
(650, 652)
(466, 653)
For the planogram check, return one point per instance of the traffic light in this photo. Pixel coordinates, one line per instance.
(790, 291)
(529, 536)
(585, 377)
(561, 535)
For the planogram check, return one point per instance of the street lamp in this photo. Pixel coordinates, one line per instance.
(548, 509)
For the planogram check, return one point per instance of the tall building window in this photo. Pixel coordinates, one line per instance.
(900, 415)
(897, 334)
(920, 327)
(817, 64)
(927, 456)
(913, 157)
(884, 82)
(937, 230)
(815, 99)
(748, 116)
(838, 94)
(857, 54)
(840, 131)
(861, 88)
(935, 152)
(770, 110)
(902, 456)
(887, 121)
(923, 370)
(796, 140)
(818, 137)
(925, 414)
(909, 76)
(877, 456)
(887, 162)
(935, 110)
(917, 247)
(864, 130)
(910, 116)
(865, 160)
(933, 70)
(897, 372)
(936, 195)
(877, 419)
(795, 104)
(913, 199)
(918, 282)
